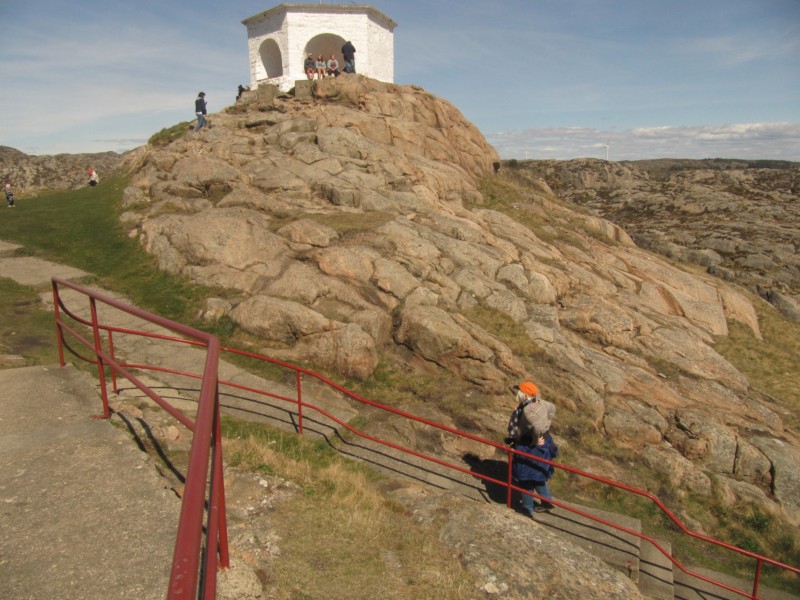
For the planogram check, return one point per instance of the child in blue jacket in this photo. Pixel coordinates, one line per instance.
(532, 475)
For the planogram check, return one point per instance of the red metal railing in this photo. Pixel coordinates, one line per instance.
(507, 483)
(205, 460)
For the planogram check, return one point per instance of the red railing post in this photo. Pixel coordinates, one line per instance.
(224, 556)
(299, 402)
(98, 351)
(59, 333)
(186, 559)
(757, 577)
(113, 360)
(510, 477)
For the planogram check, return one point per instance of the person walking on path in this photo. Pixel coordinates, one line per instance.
(200, 111)
(9, 196)
(532, 475)
(349, 54)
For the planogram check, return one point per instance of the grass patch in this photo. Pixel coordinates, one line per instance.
(26, 328)
(343, 537)
(512, 198)
(507, 198)
(435, 394)
(169, 134)
(770, 363)
(81, 228)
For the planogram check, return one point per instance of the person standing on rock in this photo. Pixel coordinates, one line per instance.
(9, 196)
(200, 111)
(349, 54)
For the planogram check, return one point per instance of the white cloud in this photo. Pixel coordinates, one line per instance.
(66, 93)
(777, 141)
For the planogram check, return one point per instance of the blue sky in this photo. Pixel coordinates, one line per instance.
(627, 79)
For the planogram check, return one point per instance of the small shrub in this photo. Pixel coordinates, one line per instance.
(758, 521)
(748, 542)
(169, 134)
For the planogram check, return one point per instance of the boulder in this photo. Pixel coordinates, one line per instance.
(281, 321)
(626, 429)
(481, 534)
(437, 336)
(683, 474)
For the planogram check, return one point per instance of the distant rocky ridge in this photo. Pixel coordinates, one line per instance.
(739, 219)
(31, 174)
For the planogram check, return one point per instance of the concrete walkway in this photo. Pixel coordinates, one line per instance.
(85, 514)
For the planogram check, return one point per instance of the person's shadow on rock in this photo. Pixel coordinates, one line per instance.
(494, 476)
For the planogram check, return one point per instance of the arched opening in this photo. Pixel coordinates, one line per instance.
(326, 44)
(271, 59)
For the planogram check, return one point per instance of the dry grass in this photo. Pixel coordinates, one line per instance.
(343, 537)
(771, 363)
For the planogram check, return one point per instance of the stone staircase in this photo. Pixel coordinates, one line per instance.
(654, 573)
(45, 421)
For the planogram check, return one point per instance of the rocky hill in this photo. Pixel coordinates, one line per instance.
(738, 219)
(363, 230)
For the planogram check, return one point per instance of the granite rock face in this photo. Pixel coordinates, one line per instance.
(351, 225)
(739, 219)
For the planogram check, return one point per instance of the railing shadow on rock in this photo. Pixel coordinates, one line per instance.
(498, 481)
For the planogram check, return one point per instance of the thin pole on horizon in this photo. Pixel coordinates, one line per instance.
(526, 151)
(607, 144)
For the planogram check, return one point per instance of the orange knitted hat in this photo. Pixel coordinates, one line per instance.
(528, 388)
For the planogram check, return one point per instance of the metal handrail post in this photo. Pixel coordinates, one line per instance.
(59, 333)
(98, 350)
(299, 403)
(224, 555)
(113, 358)
(510, 477)
(757, 577)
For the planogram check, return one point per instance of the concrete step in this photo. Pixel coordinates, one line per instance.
(691, 588)
(660, 580)
(655, 571)
(618, 549)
